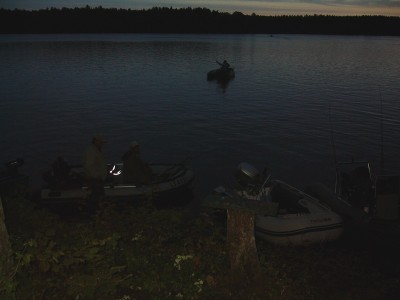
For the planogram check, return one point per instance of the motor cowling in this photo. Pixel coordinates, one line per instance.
(12, 166)
(250, 183)
(247, 177)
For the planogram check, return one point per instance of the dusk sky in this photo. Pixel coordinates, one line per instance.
(260, 7)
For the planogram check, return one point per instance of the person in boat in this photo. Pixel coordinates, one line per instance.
(61, 169)
(224, 65)
(134, 169)
(59, 172)
(95, 167)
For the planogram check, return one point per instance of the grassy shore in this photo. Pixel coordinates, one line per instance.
(139, 252)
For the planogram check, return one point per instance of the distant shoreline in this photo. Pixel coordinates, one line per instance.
(188, 20)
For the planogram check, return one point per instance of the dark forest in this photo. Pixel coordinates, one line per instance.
(187, 20)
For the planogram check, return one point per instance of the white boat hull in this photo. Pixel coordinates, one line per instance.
(300, 219)
(299, 230)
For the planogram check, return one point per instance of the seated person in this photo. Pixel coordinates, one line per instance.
(61, 169)
(59, 173)
(224, 65)
(134, 170)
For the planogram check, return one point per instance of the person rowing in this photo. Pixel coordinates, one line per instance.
(224, 65)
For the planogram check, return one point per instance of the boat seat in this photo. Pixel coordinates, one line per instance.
(61, 169)
(288, 202)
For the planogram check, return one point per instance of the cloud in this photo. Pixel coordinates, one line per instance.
(262, 7)
(336, 7)
(375, 3)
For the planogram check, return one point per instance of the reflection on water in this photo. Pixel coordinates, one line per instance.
(58, 90)
(223, 84)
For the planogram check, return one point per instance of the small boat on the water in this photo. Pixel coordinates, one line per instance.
(357, 193)
(221, 74)
(299, 219)
(167, 180)
(366, 202)
(354, 184)
(378, 196)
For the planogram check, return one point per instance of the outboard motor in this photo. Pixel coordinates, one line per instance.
(250, 182)
(12, 166)
(11, 175)
(246, 175)
(11, 169)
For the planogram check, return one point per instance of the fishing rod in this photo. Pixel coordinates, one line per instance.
(332, 138)
(333, 144)
(382, 140)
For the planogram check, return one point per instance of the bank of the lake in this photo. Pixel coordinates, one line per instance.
(144, 253)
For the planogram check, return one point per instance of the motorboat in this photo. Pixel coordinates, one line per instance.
(167, 180)
(360, 196)
(354, 184)
(369, 205)
(299, 219)
(353, 195)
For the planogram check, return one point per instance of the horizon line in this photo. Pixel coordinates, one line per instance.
(198, 7)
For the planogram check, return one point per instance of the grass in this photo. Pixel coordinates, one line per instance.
(139, 252)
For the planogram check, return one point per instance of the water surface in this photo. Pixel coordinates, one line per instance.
(297, 101)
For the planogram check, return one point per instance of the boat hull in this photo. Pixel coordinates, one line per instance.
(170, 180)
(221, 74)
(300, 219)
(299, 230)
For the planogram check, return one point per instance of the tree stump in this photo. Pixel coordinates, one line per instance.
(241, 214)
(241, 243)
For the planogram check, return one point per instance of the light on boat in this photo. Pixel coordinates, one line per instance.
(116, 173)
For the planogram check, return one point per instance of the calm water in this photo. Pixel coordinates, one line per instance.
(292, 95)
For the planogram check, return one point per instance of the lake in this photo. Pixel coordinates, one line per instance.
(296, 103)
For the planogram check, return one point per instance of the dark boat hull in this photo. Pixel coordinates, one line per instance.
(221, 74)
(170, 181)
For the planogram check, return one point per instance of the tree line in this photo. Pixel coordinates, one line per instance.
(187, 20)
